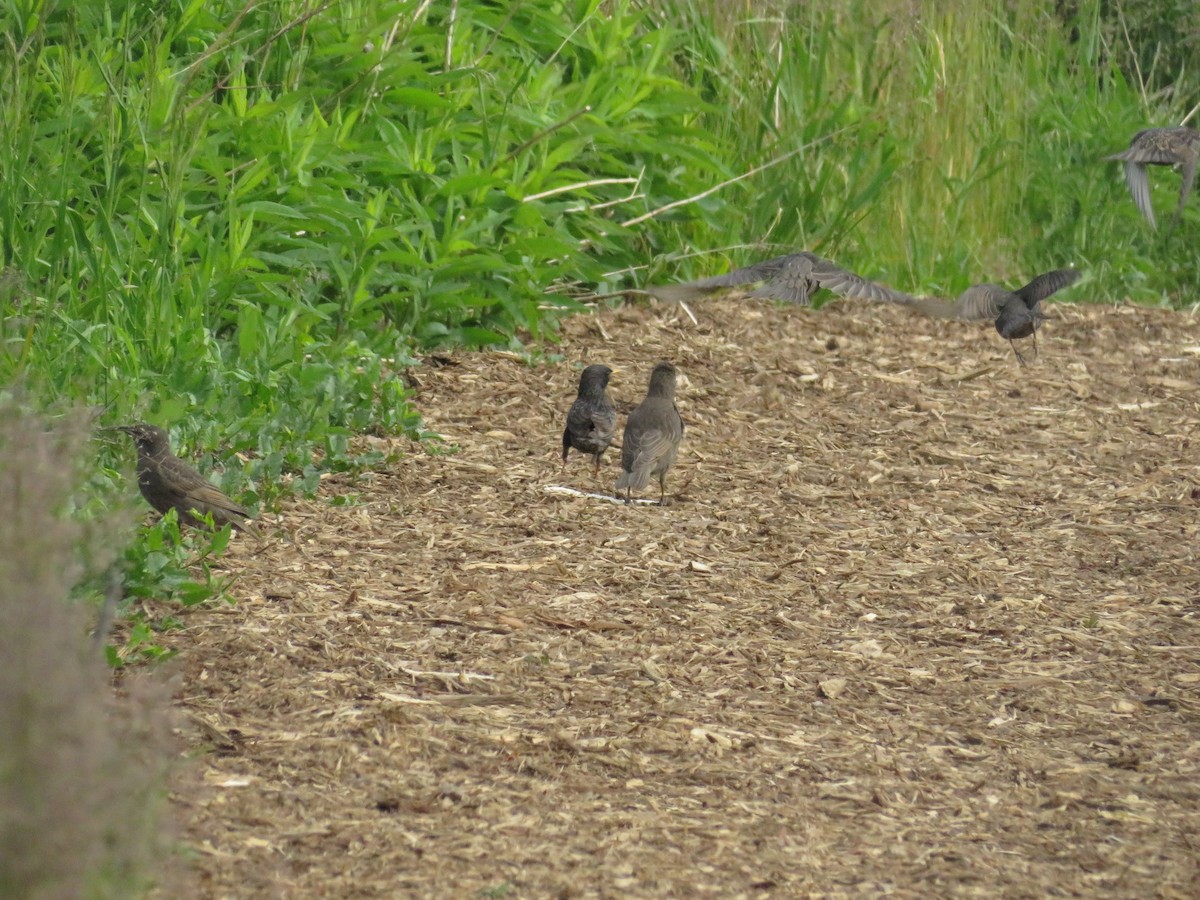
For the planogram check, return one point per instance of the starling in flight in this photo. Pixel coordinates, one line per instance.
(1017, 314)
(794, 277)
(1159, 147)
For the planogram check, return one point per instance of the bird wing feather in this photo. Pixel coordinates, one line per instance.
(652, 447)
(1046, 284)
(792, 277)
(801, 274)
(604, 422)
(191, 490)
(978, 303)
(981, 302)
(848, 284)
(760, 271)
(1139, 187)
(690, 290)
(209, 499)
(590, 421)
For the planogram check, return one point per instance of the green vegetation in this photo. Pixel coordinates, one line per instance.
(243, 219)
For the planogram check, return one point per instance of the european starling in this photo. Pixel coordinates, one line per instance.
(652, 435)
(1159, 147)
(794, 277)
(167, 482)
(591, 420)
(1017, 314)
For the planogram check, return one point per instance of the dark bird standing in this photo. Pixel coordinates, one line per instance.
(591, 421)
(652, 435)
(1159, 147)
(1017, 314)
(167, 482)
(794, 277)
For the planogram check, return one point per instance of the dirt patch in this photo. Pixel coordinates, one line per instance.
(918, 622)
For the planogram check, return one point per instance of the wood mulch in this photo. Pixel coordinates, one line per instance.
(918, 622)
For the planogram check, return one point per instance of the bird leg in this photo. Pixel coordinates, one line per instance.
(1020, 358)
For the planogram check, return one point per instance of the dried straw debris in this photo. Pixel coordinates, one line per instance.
(917, 623)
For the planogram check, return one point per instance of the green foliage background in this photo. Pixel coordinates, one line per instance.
(242, 218)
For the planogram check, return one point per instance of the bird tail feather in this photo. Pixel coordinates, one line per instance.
(638, 479)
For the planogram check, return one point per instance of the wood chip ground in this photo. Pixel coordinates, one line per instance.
(918, 623)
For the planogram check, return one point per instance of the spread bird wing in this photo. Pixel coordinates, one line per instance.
(765, 270)
(1139, 187)
(934, 307)
(1152, 147)
(804, 273)
(690, 290)
(792, 277)
(981, 302)
(1046, 284)
(1159, 147)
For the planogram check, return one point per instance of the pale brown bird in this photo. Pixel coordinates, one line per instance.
(1017, 314)
(591, 421)
(1159, 147)
(652, 435)
(794, 277)
(167, 482)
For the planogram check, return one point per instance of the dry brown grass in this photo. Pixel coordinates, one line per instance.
(81, 772)
(919, 622)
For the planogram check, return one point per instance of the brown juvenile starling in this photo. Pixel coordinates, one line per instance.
(167, 482)
(591, 420)
(652, 435)
(1017, 314)
(794, 277)
(1159, 147)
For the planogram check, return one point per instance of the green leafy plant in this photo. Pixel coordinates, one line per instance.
(245, 221)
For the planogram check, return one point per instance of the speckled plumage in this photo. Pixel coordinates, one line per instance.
(794, 277)
(591, 421)
(1177, 146)
(167, 482)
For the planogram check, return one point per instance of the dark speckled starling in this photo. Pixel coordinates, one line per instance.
(591, 421)
(794, 277)
(1017, 314)
(167, 482)
(1159, 147)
